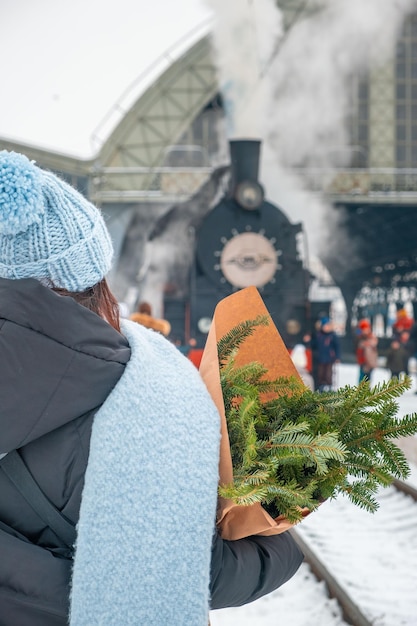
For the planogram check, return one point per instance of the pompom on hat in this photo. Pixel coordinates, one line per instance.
(48, 230)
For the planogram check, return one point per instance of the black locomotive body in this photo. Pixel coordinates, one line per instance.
(244, 240)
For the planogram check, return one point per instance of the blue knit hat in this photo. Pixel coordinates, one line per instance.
(48, 230)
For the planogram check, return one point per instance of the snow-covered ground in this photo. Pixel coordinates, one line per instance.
(378, 563)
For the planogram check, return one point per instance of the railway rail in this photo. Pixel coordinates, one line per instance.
(355, 610)
(351, 612)
(359, 568)
(339, 585)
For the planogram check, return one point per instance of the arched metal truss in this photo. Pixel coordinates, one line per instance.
(125, 168)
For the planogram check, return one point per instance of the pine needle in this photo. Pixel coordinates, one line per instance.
(303, 446)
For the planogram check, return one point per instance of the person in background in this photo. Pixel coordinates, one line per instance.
(326, 347)
(144, 316)
(117, 430)
(397, 359)
(413, 339)
(403, 323)
(310, 343)
(185, 348)
(408, 344)
(413, 344)
(300, 360)
(366, 349)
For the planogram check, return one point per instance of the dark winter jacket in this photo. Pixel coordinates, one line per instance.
(326, 346)
(58, 363)
(397, 359)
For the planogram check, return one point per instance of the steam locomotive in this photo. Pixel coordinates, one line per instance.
(244, 240)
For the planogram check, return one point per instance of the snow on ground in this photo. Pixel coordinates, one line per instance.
(294, 604)
(388, 547)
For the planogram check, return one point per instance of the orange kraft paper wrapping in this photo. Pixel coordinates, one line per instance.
(267, 347)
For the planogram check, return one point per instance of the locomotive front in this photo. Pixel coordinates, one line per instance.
(247, 241)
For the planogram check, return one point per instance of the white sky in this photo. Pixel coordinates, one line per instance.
(64, 65)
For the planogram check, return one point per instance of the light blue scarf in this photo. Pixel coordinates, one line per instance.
(149, 502)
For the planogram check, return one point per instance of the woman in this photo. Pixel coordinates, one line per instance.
(144, 316)
(366, 350)
(116, 428)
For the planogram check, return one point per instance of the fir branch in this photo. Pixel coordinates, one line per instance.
(302, 446)
(237, 335)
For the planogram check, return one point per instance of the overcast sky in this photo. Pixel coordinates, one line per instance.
(64, 65)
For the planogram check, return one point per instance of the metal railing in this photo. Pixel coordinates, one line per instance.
(371, 185)
(155, 184)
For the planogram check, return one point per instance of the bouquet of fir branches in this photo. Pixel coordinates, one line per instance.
(286, 448)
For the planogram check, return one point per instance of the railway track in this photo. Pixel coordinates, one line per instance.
(370, 604)
(351, 612)
(406, 488)
(360, 569)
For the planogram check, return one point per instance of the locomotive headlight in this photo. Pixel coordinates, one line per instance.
(249, 194)
(204, 324)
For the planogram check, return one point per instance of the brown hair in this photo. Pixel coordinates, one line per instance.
(98, 299)
(145, 307)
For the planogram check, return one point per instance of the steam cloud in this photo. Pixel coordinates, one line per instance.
(291, 90)
(288, 88)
